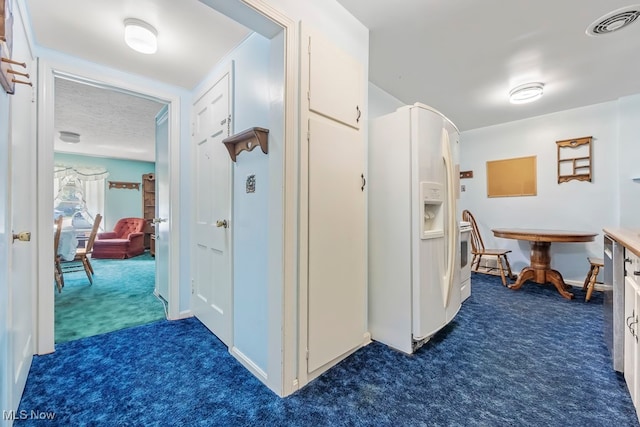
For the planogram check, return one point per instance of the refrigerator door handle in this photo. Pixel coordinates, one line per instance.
(451, 218)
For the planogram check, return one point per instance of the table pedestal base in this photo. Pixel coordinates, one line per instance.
(540, 270)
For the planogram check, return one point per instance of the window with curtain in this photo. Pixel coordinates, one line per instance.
(79, 194)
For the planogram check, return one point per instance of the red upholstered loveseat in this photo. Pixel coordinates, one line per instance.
(126, 240)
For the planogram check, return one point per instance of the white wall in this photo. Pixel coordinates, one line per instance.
(573, 205)
(381, 102)
(629, 158)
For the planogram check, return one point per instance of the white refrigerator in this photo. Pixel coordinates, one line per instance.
(414, 256)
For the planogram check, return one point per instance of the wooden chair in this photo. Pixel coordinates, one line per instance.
(83, 253)
(81, 259)
(57, 269)
(478, 251)
(595, 264)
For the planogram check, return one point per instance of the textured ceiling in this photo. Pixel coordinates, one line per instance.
(110, 123)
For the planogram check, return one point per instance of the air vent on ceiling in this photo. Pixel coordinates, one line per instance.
(614, 21)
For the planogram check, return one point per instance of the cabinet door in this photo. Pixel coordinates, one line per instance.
(630, 336)
(335, 82)
(337, 289)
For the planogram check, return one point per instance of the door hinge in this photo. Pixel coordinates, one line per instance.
(193, 287)
(307, 355)
(309, 46)
(229, 125)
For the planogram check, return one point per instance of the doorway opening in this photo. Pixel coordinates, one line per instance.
(96, 79)
(106, 174)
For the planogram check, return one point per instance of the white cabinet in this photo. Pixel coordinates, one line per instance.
(335, 83)
(632, 327)
(333, 298)
(336, 242)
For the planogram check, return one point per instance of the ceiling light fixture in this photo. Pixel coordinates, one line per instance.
(69, 137)
(614, 21)
(140, 36)
(527, 92)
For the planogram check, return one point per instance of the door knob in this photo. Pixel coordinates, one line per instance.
(158, 220)
(222, 223)
(23, 236)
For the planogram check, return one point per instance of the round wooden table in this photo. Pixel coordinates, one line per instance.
(540, 269)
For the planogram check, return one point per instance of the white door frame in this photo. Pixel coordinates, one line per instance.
(48, 71)
(283, 293)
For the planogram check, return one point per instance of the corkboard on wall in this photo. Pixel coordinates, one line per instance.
(512, 177)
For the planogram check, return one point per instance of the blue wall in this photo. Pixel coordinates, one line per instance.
(118, 203)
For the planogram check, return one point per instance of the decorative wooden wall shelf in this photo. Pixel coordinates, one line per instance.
(574, 159)
(247, 140)
(125, 185)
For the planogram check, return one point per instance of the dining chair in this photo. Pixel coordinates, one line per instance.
(83, 253)
(478, 251)
(57, 269)
(81, 260)
(595, 264)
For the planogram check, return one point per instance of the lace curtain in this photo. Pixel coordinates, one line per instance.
(79, 193)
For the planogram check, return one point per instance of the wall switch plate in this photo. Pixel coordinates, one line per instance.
(463, 188)
(251, 184)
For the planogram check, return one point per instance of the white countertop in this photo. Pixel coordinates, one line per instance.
(628, 237)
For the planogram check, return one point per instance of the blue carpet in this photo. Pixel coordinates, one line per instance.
(510, 358)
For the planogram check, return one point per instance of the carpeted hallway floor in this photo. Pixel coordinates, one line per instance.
(509, 358)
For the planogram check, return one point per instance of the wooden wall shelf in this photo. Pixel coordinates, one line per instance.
(247, 140)
(576, 164)
(125, 185)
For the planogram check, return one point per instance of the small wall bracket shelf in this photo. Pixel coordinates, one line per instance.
(578, 164)
(125, 185)
(247, 140)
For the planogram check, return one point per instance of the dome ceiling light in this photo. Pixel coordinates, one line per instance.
(527, 92)
(140, 36)
(614, 21)
(69, 137)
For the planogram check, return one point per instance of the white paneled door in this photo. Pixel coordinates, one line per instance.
(17, 216)
(212, 292)
(161, 221)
